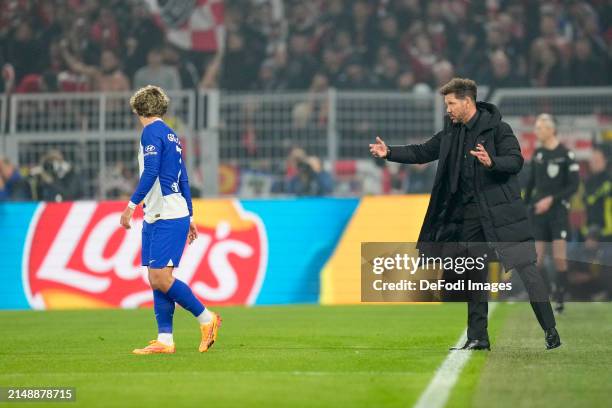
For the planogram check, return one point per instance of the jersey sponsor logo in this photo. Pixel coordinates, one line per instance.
(78, 256)
(150, 148)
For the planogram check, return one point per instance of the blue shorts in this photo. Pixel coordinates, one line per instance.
(163, 242)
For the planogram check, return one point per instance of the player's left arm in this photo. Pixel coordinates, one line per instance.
(186, 192)
(184, 186)
(572, 175)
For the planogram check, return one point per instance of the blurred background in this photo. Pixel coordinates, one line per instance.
(280, 98)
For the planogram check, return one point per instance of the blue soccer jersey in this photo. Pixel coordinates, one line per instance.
(163, 186)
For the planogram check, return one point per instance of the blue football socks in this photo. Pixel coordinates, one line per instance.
(182, 294)
(164, 311)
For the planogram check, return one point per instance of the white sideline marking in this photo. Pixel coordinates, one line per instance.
(438, 390)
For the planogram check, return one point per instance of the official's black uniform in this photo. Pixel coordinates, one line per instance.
(553, 173)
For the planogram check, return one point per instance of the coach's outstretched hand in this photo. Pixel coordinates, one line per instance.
(126, 217)
(193, 233)
(379, 149)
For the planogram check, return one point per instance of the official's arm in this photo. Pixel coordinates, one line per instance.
(572, 177)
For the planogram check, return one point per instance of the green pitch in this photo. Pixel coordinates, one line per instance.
(308, 356)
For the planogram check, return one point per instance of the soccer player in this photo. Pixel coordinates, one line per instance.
(553, 180)
(164, 189)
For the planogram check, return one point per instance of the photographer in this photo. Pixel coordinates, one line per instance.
(311, 179)
(55, 178)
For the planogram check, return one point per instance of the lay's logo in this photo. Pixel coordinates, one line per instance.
(78, 256)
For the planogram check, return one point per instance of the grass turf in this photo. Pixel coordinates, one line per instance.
(300, 356)
(518, 374)
(306, 356)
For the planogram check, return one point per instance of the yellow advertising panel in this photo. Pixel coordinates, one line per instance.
(376, 219)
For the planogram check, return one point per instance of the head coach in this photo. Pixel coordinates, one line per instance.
(476, 198)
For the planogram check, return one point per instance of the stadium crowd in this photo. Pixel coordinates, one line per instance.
(296, 45)
(77, 45)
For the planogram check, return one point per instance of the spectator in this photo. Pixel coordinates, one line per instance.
(422, 56)
(598, 198)
(187, 71)
(314, 110)
(267, 79)
(240, 64)
(355, 76)
(157, 73)
(13, 187)
(142, 35)
(586, 69)
(388, 72)
(311, 179)
(363, 29)
(80, 44)
(105, 30)
(300, 65)
(107, 78)
(389, 34)
(405, 82)
(332, 65)
(543, 41)
(443, 72)
(24, 52)
(118, 182)
(55, 178)
(547, 68)
(419, 178)
(499, 73)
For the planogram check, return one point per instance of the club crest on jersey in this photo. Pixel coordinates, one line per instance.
(552, 170)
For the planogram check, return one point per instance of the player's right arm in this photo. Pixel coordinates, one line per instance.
(409, 154)
(151, 145)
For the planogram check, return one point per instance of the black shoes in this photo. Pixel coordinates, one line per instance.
(474, 345)
(551, 336)
(552, 339)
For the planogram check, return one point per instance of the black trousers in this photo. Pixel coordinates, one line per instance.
(472, 235)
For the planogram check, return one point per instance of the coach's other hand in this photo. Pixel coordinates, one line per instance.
(193, 233)
(379, 149)
(481, 154)
(126, 217)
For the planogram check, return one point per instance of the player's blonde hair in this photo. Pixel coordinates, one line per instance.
(150, 101)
